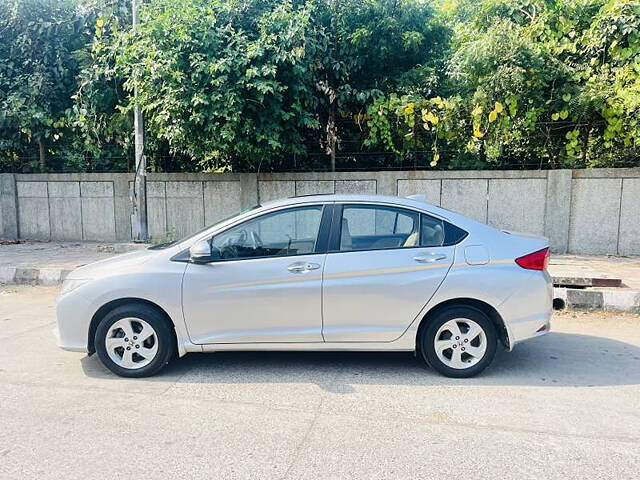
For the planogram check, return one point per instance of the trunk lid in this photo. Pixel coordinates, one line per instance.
(525, 243)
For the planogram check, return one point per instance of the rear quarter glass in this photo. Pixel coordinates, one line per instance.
(453, 234)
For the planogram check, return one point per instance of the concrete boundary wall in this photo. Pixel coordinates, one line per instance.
(581, 211)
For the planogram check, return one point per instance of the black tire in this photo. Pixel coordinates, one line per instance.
(164, 333)
(427, 339)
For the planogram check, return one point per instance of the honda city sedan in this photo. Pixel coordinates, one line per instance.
(323, 272)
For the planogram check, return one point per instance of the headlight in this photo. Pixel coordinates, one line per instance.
(71, 284)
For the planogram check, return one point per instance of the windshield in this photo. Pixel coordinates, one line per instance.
(164, 245)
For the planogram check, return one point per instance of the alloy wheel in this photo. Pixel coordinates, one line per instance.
(460, 343)
(131, 343)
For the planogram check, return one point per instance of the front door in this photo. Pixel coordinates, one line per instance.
(386, 264)
(266, 286)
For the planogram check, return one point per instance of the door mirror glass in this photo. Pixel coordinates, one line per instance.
(201, 252)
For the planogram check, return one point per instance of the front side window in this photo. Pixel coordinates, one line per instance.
(287, 232)
(366, 227)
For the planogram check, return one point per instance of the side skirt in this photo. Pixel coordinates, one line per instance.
(316, 346)
(406, 343)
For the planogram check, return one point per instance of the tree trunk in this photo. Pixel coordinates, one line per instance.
(331, 135)
(585, 144)
(42, 151)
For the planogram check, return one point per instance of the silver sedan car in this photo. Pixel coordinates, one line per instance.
(324, 272)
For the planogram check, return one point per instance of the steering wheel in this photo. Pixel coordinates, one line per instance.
(242, 237)
(255, 240)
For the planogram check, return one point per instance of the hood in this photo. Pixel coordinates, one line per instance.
(109, 265)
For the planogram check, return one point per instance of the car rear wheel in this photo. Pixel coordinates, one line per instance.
(459, 342)
(134, 341)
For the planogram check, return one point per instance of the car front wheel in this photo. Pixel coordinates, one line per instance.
(459, 342)
(134, 341)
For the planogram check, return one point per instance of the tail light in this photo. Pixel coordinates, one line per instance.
(535, 261)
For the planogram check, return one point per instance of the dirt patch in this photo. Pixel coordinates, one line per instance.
(594, 314)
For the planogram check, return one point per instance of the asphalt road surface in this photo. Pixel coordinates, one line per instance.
(563, 406)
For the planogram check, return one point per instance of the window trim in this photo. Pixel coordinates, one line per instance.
(336, 226)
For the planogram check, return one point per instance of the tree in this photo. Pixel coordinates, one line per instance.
(253, 84)
(246, 83)
(530, 84)
(38, 70)
(218, 86)
(373, 47)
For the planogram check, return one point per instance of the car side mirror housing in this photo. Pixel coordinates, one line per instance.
(200, 252)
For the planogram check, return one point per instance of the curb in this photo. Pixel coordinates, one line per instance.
(615, 300)
(33, 276)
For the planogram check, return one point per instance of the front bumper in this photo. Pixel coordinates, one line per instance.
(56, 334)
(73, 317)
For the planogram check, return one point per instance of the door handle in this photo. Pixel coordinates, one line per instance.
(300, 267)
(429, 257)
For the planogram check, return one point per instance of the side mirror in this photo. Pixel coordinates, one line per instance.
(200, 252)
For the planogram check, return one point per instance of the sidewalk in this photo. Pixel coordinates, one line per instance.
(48, 263)
(583, 271)
(597, 266)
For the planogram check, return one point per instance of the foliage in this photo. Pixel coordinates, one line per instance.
(530, 84)
(240, 83)
(373, 47)
(38, 70)
(102, 130)
(213, 89)
(255, 84)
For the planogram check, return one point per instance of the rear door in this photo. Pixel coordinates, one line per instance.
(384, 264)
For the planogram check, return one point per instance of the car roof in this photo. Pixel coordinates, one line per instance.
(332, 197)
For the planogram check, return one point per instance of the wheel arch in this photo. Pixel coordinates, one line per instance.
(480, 305)
(109, 306)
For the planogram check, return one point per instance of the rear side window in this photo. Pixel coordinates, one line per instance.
(438, 233)
(432, 231)
(453, 234)
(368, 227)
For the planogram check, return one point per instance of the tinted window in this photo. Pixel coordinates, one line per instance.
(369, 228)
(453, 234)
(287, 232)
(432, 232)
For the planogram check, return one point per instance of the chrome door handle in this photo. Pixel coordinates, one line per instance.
(300, 267)
(430, 257)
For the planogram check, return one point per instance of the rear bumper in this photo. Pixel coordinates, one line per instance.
(527, 313)
(527, 328)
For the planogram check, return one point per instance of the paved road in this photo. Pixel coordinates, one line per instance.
(565, 406)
